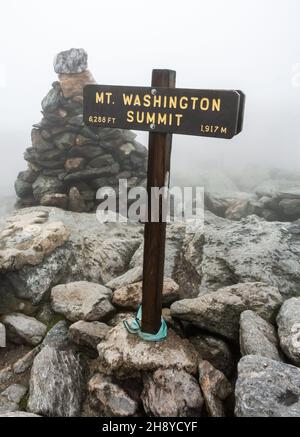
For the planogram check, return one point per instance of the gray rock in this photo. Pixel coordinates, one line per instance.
(7, 405)
(76, 201)
(55, 199)
(94, 252)
(171, 393)
(18, 414)
(71, 61)
(215, 388)
(125, 355)
(88, 334)
(219, 312)
(24, 329)
(130, 296)
(288, 321)
(23, 189)
(6, 374)
(46, 184)
(109, 399)
(56, 383)
(258, 337)
(27, 237)
(92, 173)
(53, 99)
(227, 252)
(215, 351)
(131, 276)
(65, 140)
(291, 208)
(267, 388)
(2, 335)
(33, 283)
(58, 336)
(82, 301)
(102, 161)
(25, 362)
(14, 393)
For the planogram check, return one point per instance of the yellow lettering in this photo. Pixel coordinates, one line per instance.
(150, 117)
(178, 118)
(140, 119)
(108, 95)
(194, 100)
(162, 118)
(183, 102)
(137, 100)
(216, 105)
(173, 102)
(100, 97)
(204, 104)
(130, 118)
(127, 99)
(157, 101)
(147, 100)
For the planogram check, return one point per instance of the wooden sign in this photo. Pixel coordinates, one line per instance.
(162, 110)
(209, 113)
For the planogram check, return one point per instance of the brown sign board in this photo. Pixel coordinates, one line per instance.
(209, 113)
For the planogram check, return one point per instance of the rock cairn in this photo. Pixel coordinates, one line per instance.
(68, 161)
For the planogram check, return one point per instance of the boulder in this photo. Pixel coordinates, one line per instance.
(11, 397)
(18, 414)
(109, 399)
(54, 199)
(88, 334)
(171, 393)
(267, 388)
(215, 388)
(130, 277)
(76, 201)
(23, 189)
(34, 282)
(2, 335)
(6, 405)
(70, 61)
(288, 321)
(28, 237)
(227, 252)
(23, 329)
(125, 355)
(82, 300)
(56, 383)
(214, 350)
(130, 296)
(258, 337)
(14, 393)
(25, 362)
(78, 248)
(58, 336)
(219, 312)
(46, 185)
(72, 84)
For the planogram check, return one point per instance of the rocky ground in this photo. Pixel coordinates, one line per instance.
(231, 302)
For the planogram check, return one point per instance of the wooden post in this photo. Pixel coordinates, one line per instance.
(159, 156)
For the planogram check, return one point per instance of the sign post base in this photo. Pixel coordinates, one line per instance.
(134, 327)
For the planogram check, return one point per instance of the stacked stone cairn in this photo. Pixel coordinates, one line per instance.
(68, 161)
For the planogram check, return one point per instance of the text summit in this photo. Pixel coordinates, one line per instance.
(158, 101)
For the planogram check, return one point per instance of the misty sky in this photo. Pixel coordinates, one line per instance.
(252, 45)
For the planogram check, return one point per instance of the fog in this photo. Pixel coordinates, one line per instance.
(252, 45)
